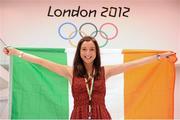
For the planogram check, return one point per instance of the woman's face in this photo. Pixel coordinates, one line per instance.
(88, 52)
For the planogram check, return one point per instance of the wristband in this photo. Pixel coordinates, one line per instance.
(20, 54)
(158, 57)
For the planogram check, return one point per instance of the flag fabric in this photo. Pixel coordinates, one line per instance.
(144, 92)
(149, 89)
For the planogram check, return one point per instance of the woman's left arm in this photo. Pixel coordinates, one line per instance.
(117, 69)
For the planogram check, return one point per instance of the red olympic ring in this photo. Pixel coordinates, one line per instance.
(109, 38)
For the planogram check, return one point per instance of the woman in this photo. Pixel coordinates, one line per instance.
(87, 77)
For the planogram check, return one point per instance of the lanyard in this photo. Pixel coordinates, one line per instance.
(89, 93)
(91, 88)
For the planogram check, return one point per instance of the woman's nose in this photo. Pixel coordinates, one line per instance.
(88, 52)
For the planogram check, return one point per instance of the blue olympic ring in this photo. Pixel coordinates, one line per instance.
(66, 38)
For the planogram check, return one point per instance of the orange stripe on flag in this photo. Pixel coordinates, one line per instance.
(149, 89)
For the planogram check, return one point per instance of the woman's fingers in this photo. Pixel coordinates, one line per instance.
(167, 54)
(5, 50)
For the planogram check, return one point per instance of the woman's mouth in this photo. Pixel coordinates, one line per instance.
(88, 57)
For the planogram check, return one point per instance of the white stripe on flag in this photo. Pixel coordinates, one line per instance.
(114, 85)
(70, 57)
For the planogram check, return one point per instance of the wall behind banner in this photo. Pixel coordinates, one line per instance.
(151, 24)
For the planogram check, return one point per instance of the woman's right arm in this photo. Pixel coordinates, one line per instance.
(62, 70)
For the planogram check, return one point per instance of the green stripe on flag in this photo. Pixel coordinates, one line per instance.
(36, 91)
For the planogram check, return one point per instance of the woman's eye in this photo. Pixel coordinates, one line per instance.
(92, 49)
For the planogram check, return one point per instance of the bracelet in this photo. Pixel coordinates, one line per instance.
(158, 57)
(20, 54)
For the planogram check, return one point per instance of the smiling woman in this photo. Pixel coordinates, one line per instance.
(71, 12)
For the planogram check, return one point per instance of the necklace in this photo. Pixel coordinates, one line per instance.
(89, 91)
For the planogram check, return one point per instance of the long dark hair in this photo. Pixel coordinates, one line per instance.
(79, 68)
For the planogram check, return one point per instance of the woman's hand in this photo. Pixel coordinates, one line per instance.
(10, 51)
(165, 55)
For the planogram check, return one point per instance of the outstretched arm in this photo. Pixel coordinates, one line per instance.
(117, 69)
(62, 70)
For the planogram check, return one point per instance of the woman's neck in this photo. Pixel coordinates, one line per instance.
(89, 68)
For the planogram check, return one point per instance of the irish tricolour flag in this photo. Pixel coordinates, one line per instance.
(145, 92)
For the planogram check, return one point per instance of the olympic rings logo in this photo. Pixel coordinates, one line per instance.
(68, 31)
